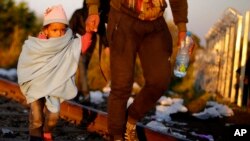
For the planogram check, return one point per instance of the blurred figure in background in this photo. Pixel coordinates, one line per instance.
(77, 24)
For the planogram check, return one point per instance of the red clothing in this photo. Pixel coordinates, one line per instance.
(86, 41)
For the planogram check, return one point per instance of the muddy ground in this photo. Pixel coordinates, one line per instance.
(14, 123)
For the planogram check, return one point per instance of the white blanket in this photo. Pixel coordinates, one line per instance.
(47, 67)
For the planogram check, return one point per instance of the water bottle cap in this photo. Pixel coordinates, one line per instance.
(188, 33)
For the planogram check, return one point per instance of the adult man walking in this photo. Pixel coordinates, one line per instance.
(137, 27)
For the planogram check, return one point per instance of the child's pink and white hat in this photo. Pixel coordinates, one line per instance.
(55, 14)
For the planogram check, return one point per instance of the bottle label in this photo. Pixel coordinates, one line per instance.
(182, 58)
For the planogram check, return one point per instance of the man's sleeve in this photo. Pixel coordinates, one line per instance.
(93, 6)
(180, 12)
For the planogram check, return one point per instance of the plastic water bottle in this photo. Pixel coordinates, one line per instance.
(182, 58)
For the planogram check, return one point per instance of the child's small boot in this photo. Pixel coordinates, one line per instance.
(47, 137)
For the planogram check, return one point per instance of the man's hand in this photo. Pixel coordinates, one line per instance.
(181, 37)
(92, 23)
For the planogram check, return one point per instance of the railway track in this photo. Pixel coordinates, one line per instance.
(85, 123)
(14, 125)
(80, 119)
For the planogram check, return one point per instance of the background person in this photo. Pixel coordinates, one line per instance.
(77, 24)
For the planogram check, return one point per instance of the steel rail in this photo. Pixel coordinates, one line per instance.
(93, 119)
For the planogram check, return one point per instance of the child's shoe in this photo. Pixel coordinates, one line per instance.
(47, 137)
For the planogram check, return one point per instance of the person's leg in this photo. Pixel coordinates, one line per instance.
(122, 61)
(49, 123)
(154, 55)
(36, 119)
(83, 87)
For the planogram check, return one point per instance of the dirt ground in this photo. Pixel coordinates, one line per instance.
(14, 125)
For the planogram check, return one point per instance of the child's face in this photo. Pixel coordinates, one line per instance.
(55, 30)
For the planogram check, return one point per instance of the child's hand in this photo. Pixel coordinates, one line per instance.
(42, 35)
(86, 41)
